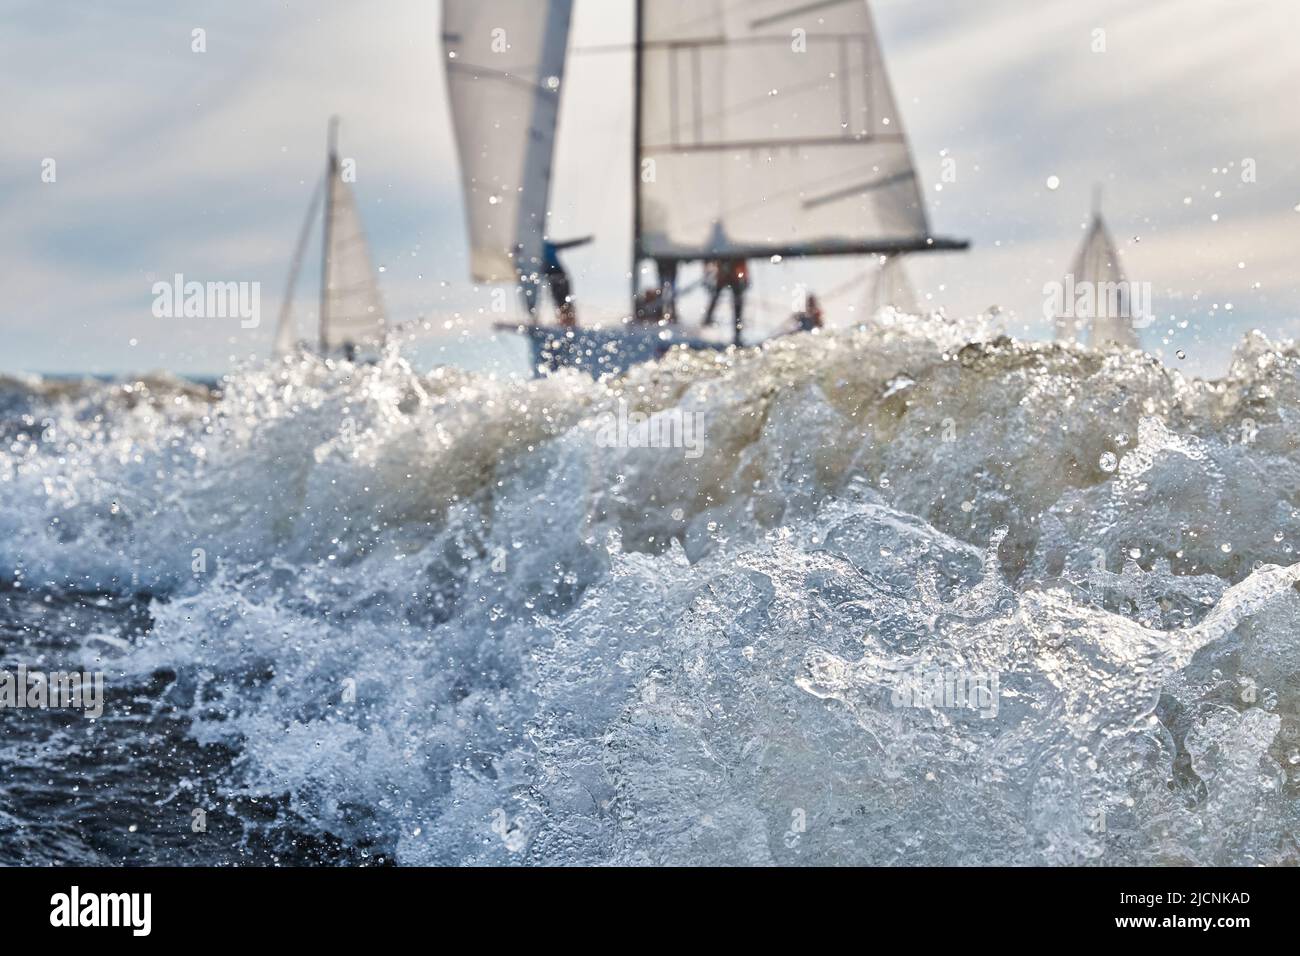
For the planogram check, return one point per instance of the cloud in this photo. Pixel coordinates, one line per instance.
(175, 161)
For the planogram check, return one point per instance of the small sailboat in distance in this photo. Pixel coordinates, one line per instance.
(1096, 303)
(762, 131)
(352, 318)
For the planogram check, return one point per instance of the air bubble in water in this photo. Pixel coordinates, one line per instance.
(1108, 462)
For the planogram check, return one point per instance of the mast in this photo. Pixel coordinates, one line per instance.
(331, 170)
(638, 69)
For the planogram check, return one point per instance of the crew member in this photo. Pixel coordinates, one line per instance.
(731, 274)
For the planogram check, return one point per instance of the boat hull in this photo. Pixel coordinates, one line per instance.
(600, 352)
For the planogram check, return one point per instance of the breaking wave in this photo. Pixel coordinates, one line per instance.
(926, 596)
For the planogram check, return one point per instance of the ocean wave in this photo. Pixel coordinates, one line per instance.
(926, 594)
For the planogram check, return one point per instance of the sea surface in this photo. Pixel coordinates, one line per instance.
(918, 594)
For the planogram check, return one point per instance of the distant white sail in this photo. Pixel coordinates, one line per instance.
(892, 289)
(769, 127)
(1103, 313)
(352, 309)
(505, 64)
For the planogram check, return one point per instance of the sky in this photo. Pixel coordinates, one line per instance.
(167, 160)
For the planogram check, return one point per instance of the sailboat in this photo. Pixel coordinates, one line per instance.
(352, 319)
(1097, 305)
(763, 130)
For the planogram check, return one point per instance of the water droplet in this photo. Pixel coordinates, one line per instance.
(1053, 182)
(1108, 462)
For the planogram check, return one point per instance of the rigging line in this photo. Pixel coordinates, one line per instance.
(794, 12)
(774, 145)
(365, 283)
(849, 192)
(812, 85)
(599, 48)
(764, 200)
(681, 26)
(845, 287)
(474, 71)
(736, 43)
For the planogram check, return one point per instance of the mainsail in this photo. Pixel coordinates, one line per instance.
(1103, 312)
(505, 64)
(769, 128)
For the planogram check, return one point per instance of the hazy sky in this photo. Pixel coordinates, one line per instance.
(173, 161)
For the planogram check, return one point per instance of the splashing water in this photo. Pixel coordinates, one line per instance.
(898, 610)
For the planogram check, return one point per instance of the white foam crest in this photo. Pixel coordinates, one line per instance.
(561, 650)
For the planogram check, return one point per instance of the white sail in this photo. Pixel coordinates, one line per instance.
(1101, 312)
(892, 289)
(352, 309)
(505, 64)
(768, 127)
